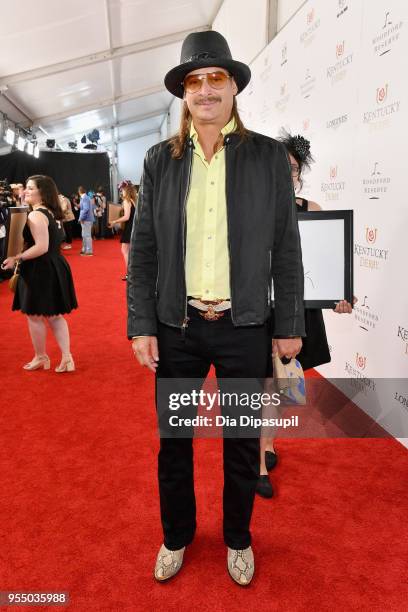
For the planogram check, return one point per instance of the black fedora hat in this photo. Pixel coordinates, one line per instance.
(201, 50)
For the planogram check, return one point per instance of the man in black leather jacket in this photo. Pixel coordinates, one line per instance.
(216, 223)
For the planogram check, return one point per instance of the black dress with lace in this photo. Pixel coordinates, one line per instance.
(45, 286)
(315, 350)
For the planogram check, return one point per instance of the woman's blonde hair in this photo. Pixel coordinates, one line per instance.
(178, 142)
(129, 192)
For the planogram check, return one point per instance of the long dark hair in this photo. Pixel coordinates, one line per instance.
(49, 194)
(179, 141)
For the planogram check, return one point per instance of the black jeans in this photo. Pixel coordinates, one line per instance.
(235, 352)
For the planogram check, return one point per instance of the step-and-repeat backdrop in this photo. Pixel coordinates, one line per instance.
(337, 74)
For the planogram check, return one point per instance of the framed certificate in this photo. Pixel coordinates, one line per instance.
(327, 252)
(16, 220)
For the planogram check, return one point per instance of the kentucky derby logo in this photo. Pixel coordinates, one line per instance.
(360, 361)
(310, 17)
(340, 49)
(381, 94)
(371, 235)
(333, 172)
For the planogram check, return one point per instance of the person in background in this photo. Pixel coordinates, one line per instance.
(86, 219)
(68, 219)
(99, 212)
(128, 194)
(45, 289)
(315, 348)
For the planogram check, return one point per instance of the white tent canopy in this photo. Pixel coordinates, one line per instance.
(69, 66)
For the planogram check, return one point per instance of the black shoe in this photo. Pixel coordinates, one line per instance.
(271, 459)
(264, 487)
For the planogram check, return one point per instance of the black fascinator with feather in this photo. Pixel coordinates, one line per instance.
(299, 147)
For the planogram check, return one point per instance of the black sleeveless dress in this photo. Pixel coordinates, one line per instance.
(45, 285)
(315, 350)
(128, 226)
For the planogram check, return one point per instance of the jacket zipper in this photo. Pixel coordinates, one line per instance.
(269, 277)
(183, 230)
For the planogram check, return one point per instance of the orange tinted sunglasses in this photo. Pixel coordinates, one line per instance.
(217, 80)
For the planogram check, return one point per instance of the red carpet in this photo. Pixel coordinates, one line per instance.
(79, 499)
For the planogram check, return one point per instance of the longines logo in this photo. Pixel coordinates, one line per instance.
(388, 33)
(371, 256)
(342, 7)
(308, 85)
(284, 54)
(284, 96)
(365, 316)
(333, 187)
(403, 335)
(338, 71)
(336, 122)
(312, 26)
(384, 110)
(356, 370)
(376, 183)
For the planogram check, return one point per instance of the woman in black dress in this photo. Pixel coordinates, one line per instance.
(128, 194)
(315, 349)
(45, 290)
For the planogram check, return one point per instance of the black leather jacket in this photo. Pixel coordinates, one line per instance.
(263, 238)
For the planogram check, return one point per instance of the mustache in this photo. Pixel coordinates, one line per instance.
(208, 99)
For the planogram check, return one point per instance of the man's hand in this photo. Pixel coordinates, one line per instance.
(286, 347)
(146, 351)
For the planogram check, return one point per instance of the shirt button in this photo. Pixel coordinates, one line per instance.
(216, 157)
(209, 237)
(212, 183)
(207, 291)
(207, 265)
(210, 209)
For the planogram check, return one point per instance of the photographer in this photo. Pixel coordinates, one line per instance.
(6, 200)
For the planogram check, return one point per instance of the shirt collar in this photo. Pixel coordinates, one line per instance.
(227, 129)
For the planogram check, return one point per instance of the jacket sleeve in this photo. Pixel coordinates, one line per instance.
(143, 265)
(287, 266)
(84, 208)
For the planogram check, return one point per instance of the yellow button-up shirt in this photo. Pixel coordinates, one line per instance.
(207, 257)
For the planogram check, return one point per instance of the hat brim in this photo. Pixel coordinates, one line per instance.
(175, 77)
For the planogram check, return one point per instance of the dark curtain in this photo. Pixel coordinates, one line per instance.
(69, 170)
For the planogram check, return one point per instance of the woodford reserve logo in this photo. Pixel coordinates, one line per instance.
(333, 187)
(313, 24)
(376, 183)
(371, 256)
(387, 34)
(338, 71)
(365, 316)
(308, 85)
(384, 110)
(284, 54)
(283, 99)
(342, 7)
